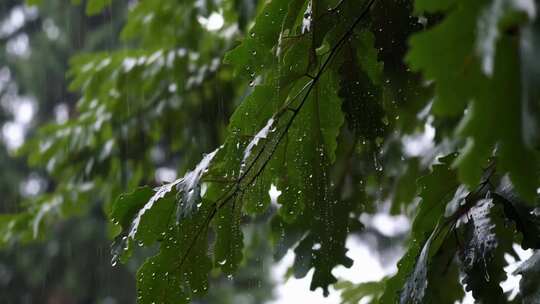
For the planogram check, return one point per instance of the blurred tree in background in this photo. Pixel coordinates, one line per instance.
(72, 266)
(424, 109)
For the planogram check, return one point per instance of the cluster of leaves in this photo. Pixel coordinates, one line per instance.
(163, 85)
(285, 133)
(332, 86)
(469, 51)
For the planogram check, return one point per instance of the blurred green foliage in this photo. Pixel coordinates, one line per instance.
(53, 268)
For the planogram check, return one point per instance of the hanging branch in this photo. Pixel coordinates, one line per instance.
(311, 84)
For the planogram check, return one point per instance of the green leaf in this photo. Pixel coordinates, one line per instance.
(435, 278)
(526, 219)
(494, 119)
(443, 54)
(354, 293)
(229, 237)
(443, 278)
(307, 201)
(361, 98)
(446, 54)
(425, 284)
(179, 272)
(243, 145)
(94, 7)
(489, 23)
(405, 189)
(435, 190)
(257, 49)
(189, 188)
(368, 56)
(309, 148)
(33, 2)
(486, 241)
(145, 215)
(124, 210)
(415, 287)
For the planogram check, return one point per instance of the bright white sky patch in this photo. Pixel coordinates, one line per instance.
(14, 22)
(366, 268)
(61, 113)
(389, 225)
(19, 46)
(24, 111)
(13, 135)
(165, 175)
(512, 282)
(418, 144)
(32, 186)
(274, 194)
(214, 22)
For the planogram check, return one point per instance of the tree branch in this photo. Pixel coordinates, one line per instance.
(226, 198)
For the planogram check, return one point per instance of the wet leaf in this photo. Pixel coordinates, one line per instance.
(525, 217)
(435, 189)
(354, 293)
(486, 241)
(415, 287)
(361, 98)
(256, 51)
(179, 272)
(489, 24)
(445, 54)
(229, 237)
